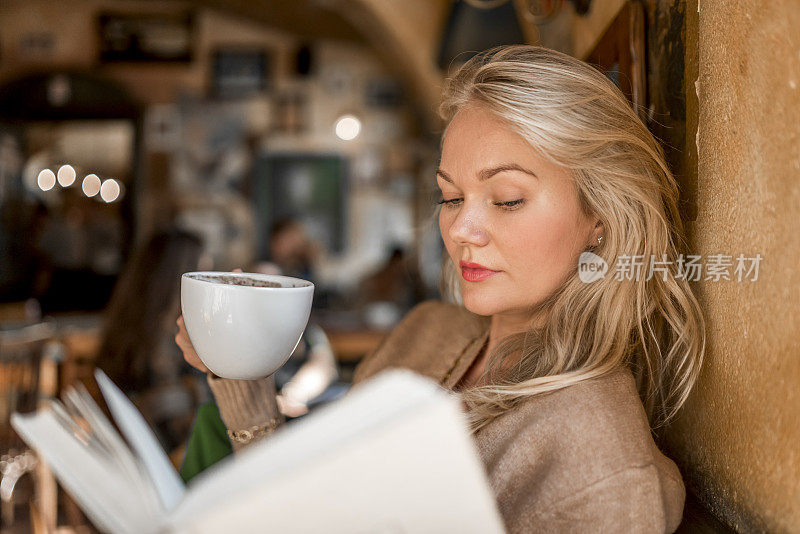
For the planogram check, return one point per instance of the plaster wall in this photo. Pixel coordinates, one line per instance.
(737, 438)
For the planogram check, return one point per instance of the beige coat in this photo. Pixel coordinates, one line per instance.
(581, 459)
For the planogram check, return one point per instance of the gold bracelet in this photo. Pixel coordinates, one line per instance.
(249, 434)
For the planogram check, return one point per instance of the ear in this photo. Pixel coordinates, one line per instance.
(599, 229)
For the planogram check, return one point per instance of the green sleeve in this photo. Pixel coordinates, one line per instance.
(208, 442)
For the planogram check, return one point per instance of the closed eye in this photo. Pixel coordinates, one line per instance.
(450, 202)
(510, 205)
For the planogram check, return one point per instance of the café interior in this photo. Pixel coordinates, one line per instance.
(143, 139)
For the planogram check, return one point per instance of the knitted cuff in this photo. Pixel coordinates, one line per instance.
(244, 403)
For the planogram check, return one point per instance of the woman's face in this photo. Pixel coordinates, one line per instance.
(509, 210)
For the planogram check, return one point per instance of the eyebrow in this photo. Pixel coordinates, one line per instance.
(485, 174)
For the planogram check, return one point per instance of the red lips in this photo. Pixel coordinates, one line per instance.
(475, 272)
(470, 265)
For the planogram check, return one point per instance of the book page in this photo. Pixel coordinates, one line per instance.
(156, 463)
(113, 501)
(376, 402)
(103, 439)
(397, 458)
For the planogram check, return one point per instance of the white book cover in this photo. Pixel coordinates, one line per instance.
(392, 456)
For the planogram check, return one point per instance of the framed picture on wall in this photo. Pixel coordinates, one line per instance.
(307, 187)
(239, 73)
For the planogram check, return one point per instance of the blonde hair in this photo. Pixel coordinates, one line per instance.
(575, 116)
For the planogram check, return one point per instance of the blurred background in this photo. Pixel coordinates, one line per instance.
(140, 139)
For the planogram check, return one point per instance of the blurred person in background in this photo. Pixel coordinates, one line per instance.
(291, 250)
(137, 351)
(387, 293)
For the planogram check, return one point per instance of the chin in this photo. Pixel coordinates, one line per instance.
(481, 302)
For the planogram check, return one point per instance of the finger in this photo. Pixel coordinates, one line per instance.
(192, 359)
(185, 345)
(237, 270)
(196, 362)
(181, 342)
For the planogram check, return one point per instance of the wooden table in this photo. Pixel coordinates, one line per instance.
(352, 345)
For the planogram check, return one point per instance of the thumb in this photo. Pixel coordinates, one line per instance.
(237, 270)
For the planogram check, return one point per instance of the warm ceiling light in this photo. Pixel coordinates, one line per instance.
(91, 185)
(46, 180)
(66, 175)
(109, 191)
(347, 127)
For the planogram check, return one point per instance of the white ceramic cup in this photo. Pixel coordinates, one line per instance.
(244, 332)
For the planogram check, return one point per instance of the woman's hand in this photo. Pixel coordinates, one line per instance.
(185, 344)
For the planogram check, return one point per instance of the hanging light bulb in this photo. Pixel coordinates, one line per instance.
(91, 185)
(66, 175)
(46, 180)
(347, 127)
(109, 191)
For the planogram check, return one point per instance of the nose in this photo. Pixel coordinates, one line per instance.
(468, 227)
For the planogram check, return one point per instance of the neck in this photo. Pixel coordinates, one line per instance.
(501, 325)
(506, 324)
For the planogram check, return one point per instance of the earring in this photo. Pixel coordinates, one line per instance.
(599, 241)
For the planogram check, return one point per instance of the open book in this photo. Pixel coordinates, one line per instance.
(392, 456)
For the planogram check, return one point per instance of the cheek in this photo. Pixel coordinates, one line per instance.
(540, 246)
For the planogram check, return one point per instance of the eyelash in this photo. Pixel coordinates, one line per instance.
(509, 206)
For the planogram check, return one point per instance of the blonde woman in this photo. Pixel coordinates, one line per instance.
(563, 381)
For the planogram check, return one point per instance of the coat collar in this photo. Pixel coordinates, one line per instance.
(460, 360)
